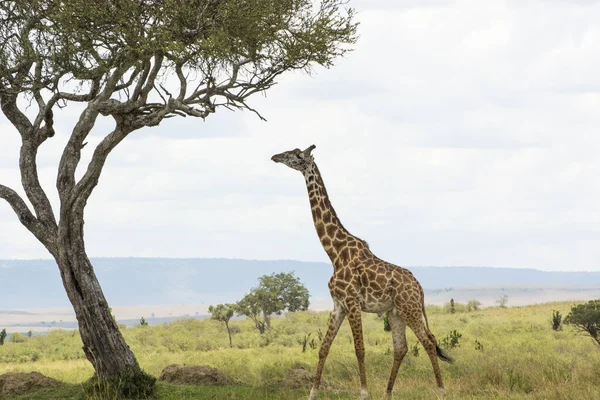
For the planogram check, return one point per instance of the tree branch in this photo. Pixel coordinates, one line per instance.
(83, 189)
(32, 186)
(28, 220)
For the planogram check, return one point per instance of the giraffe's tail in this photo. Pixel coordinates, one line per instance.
(440, 353)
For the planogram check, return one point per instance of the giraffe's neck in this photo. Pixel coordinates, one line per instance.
(329, 228)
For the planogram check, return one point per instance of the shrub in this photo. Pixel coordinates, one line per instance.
(556, 320)
(478, 345)
(453, 307)
(414, 349)
(502, 301)
(451, 340)
(386, 323)
(473, 305)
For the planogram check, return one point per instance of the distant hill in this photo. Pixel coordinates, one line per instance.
(153, 281)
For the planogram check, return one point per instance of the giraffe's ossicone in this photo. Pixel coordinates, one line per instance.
(361, 282)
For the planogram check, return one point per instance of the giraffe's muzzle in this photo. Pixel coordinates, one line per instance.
(277, 158)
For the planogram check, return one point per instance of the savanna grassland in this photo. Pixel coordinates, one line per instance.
(504, 353)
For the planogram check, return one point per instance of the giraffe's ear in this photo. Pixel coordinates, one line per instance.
(309, 150)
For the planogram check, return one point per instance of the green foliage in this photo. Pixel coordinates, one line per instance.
(250, 306)
(282, 292)
(473, 305)
(502, 301)
(386, 323)
(453, 307)
(275, 294)
(313, 343)
(17, 338)
(586, 318)
(3, 335)
(478, 345)
(91, 41)
(143, 322)
(556, 320)
(414, 349)
(223, 313)
(451, 340)
(129, 385)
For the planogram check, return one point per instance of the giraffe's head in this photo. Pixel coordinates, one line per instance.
(296, 159)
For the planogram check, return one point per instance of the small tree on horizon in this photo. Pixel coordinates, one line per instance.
(502, 301)
(250, 306)
(223, 313)
(275, 294)
(586, 318)
(3, 335)
(18, 338)
(473, 305)
(452, 307)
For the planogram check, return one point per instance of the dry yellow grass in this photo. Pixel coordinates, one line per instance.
(518, 356)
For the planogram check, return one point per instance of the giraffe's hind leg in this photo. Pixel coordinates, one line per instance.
(400, 347)
(417, 324)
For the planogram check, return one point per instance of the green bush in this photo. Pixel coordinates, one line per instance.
(556, 320)
(586, 319)
(17, 338)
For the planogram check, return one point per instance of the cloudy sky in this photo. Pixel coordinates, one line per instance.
(456, 133)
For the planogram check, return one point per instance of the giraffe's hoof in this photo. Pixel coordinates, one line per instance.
(441, 393)
(364, 395)
(313, 394)
(387, 396)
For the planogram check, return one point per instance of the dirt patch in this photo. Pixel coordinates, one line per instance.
(299, 378)
(201, 375)
(15, 383)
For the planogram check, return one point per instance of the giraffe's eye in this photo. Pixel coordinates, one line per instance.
(298, 156)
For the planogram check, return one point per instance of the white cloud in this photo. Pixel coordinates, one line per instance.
(460, 133)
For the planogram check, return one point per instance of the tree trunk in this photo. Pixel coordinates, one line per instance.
(103, 343)
(229, 333)
(267, 318)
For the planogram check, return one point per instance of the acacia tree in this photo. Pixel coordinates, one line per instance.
(135, 63)
(281, 292)
(586, 319)
(275, 294)
(223, 313)
(250, 306)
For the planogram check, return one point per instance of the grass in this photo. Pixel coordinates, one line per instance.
(504, 353)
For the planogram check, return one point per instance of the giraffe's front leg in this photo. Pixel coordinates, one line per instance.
(335, 321)
(355, 320)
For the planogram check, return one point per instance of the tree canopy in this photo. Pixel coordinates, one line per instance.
(275, 294)
(586, 318)
(223, 313)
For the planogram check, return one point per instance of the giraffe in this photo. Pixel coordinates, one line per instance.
(363, 282)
